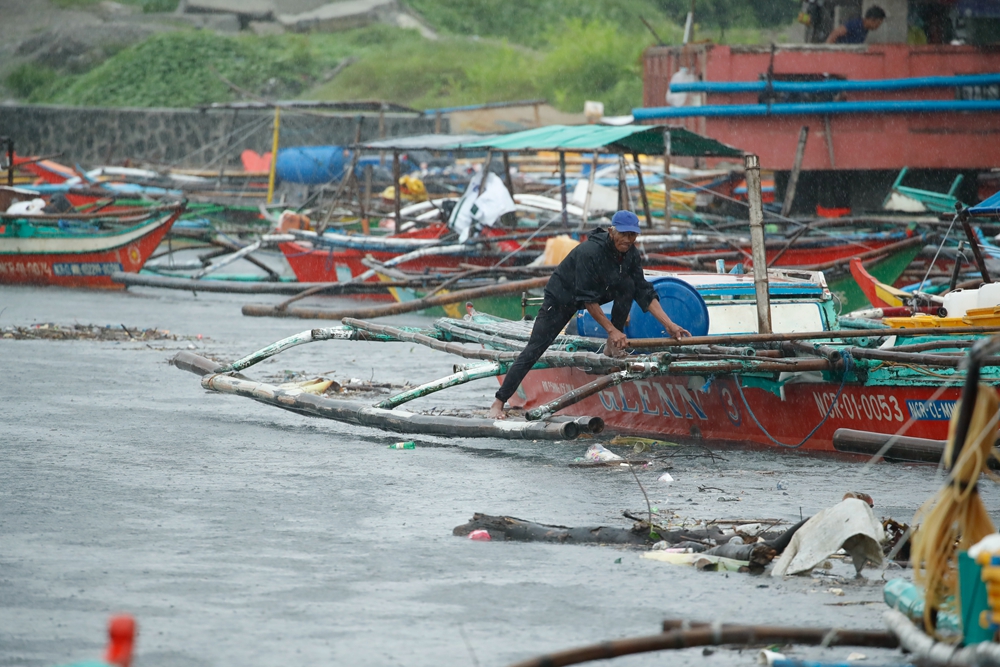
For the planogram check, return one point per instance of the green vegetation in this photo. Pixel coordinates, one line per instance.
(188, 68)
(25, 79)
(565, 51)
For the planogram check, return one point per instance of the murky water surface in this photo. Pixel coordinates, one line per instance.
(239, 534)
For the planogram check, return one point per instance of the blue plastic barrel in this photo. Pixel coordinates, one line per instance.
(680, 301)
(312, 165)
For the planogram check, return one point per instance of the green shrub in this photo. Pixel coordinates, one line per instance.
(593, 62)
(186, 68)
(28, 78)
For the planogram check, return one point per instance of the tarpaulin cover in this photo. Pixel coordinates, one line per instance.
(989, 206)
(643, 139)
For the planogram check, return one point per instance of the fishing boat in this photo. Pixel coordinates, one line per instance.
(78, 250)
(725, 386)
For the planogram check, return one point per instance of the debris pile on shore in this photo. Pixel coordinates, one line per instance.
(109, 332)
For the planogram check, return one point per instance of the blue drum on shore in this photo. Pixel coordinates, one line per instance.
(680, 301)
(312, 165)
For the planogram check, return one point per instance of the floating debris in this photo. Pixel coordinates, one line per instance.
(109, 332)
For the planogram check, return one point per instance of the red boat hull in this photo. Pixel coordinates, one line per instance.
(791, 258)
(675, 407)
(87, 261)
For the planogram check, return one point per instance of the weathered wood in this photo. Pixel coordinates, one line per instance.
(752, 173)
(233, 287)
(508, 528)
(642, 190)
(793, 177)
(395, 187)
(258, 310)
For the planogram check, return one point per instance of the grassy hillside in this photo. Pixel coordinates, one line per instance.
(565, 51)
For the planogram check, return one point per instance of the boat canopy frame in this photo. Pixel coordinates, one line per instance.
(635, 140)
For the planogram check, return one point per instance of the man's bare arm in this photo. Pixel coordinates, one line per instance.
(616, 339)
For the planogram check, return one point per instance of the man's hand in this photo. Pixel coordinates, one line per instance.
(677, 331)
(616, 343)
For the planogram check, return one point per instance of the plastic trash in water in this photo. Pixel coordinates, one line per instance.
(409, 444)
(598, 452)
(480, 535)
(782, 486)
(666, 478)
(766, 657)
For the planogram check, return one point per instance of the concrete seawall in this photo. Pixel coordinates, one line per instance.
(184, 137)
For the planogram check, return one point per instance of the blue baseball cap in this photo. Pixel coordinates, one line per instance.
(625, 221)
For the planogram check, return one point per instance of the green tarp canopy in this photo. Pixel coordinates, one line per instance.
(642, 139)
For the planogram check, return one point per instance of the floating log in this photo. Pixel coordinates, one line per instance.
(511, 529)
(900, 448)
(351, 412)
(259, 310)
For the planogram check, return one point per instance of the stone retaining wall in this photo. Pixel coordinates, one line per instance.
(182, 137)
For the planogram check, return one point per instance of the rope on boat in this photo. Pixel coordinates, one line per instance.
(848, 366)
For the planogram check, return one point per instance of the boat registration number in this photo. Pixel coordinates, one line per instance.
(85, 268)
(875, 407)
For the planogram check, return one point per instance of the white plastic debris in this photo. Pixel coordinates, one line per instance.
(599, 452)
(666, 478)
(766, 657)
(850, 524)
(856, 656)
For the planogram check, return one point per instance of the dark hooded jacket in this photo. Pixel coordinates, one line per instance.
(595, 272)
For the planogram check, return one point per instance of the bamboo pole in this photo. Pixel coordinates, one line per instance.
(590, 191)
(793, 177)
(744, 339)
(713, 635)
(752, 170)
(351, 412)
(395, 190)
(974, 243)
(580, 393)
(506, 173)
(233, 287)
(460, 376)
(273, 170)
(642, 190)
(257, 310)
(667, 215)
(562, 187)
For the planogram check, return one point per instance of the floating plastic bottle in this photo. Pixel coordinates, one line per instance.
(409, 444)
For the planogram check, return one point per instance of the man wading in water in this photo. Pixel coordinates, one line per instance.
(606, 268)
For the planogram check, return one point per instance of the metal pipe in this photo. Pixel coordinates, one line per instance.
(835, 86)
(751, 169)
(817, 108)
